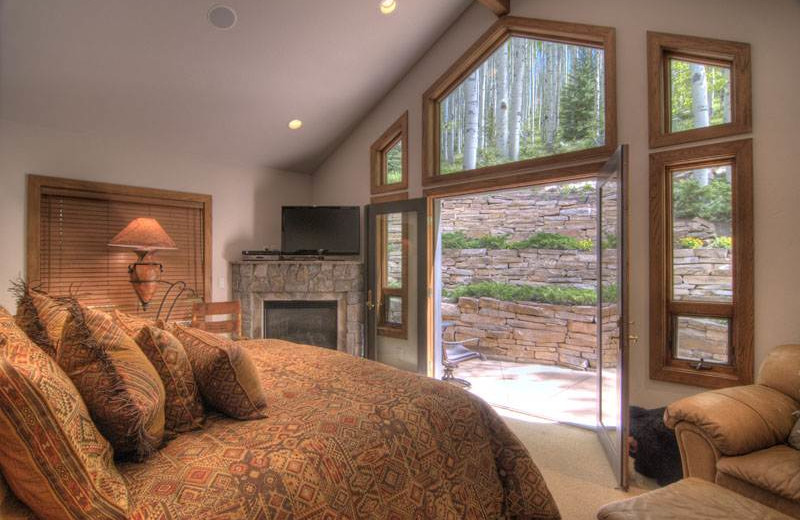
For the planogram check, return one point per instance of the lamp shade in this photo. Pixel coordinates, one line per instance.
(143, 234)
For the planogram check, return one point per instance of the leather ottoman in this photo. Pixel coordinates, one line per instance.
(690, 498)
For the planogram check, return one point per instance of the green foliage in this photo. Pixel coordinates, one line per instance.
(394, 164)
(577, 105)
(609, 241)
(712, 202)
(554, 294)
(458, 240)
(553, 241)
(718, 90)
(584, 188)
(690, 243)
(722, 242)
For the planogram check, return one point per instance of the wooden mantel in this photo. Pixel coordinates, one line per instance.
(498, 7)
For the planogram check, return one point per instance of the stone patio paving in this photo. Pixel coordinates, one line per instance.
(546, 391)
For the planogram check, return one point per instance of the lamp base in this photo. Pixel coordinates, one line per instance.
(144, 276)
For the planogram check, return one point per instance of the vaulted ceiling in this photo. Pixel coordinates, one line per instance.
(158, 72)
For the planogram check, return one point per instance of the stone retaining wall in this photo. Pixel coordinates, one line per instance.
(528, 332)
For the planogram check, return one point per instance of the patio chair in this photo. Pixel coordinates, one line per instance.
(455, 353)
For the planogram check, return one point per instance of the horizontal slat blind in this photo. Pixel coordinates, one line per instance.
(75, 257)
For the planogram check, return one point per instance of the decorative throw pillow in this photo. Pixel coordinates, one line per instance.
(183, 409)
(40, 317)
(226, 375)
(119, 385)
(54, 458)
(129, 323)
(794, 436)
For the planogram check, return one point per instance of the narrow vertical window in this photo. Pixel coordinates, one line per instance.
(393, 287)
(389, 159)
(702, 265)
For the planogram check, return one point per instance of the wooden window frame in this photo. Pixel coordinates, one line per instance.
(664, 366)
(661, 47)
(39, 185)
(385, 328)
(398, 131)
(504, 28)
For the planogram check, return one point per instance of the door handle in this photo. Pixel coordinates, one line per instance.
(370, 305)
(633, 338)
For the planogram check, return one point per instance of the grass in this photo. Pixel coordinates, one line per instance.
(554, 294)
(458, 240)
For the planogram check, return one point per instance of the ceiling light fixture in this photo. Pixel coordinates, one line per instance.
(222, 17)
(388, 6)
(295, 124)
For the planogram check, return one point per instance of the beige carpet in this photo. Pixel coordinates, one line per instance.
(574, 466)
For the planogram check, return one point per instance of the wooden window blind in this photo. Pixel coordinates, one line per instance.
(69, 253)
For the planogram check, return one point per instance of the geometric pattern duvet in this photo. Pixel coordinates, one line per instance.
(344, 438)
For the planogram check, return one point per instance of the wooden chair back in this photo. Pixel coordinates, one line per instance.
(232, 326)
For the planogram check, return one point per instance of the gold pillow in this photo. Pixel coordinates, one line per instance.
(119, 385)
(226, 375)
(55, 460)
(129, 323)
(40, 317)
(183, 408)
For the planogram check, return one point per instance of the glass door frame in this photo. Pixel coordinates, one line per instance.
(613, 438)
(420, 207)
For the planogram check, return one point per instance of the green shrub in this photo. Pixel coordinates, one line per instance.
(554, 294)
(553, 241)
(710, 202)
(458, 240)
(690, 243)
(609, 241)
(722, 242)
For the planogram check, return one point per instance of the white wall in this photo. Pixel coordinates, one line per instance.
(246, 201)
(769, 26)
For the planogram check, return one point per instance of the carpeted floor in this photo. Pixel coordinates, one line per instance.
(573, 464)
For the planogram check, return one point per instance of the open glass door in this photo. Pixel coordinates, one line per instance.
(397, 284)
(612, 311)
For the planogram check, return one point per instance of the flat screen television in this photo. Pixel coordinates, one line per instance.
(321, 230)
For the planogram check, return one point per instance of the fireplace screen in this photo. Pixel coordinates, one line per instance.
(307, 322)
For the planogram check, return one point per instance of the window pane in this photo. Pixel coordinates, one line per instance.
(700, 95)
(394, 250)
(394, 310)
(529, 99)
(394, 164)
(702, 234)
(702, 338)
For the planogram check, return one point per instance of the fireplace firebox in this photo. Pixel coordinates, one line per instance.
(308, 322)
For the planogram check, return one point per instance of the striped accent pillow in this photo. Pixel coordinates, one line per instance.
(129, 323)
(183, 409)
(227, 378)
(52, 455)
(120, 386)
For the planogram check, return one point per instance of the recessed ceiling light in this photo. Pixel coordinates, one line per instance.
(388, 6)
(295, 124)
(222, 17)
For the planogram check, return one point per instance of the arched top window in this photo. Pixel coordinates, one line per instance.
(529, 93)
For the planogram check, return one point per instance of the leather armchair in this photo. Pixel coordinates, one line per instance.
(736, 437)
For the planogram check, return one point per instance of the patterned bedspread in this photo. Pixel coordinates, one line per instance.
(345, 438)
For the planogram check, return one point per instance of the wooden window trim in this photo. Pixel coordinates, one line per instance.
(398, 131)
(384, 328)
(663, 365)
(735, 55)
(39, 185)
(500, 31)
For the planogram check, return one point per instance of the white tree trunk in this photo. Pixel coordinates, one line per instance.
(700, 111)
(471, 122)
(516, 98)
(501, 120)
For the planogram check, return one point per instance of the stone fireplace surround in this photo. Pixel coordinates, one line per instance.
(342, 281)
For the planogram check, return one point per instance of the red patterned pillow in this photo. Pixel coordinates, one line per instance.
(54, 458)
(118, 383)
(40, 317)
(183, 408)
(226, 375)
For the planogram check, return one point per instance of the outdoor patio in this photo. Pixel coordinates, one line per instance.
(546, 391)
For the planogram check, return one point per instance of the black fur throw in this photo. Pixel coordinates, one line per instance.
(654, 446)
